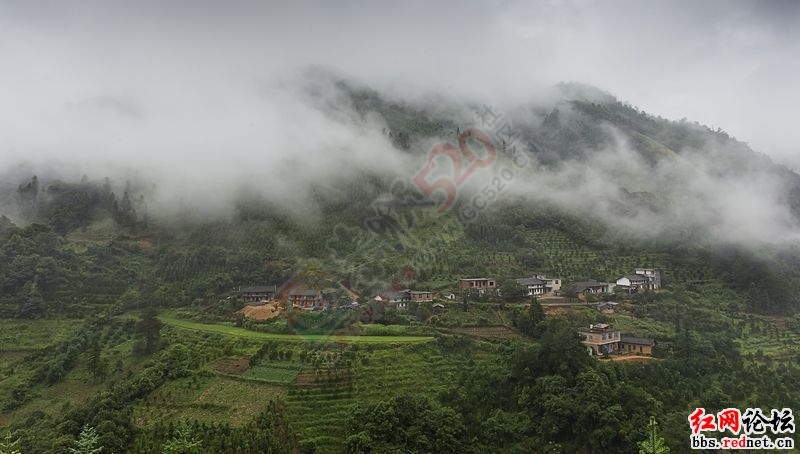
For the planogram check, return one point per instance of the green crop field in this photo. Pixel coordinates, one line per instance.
(272, 373)
(313, 338)
(19, 335)
(205, 398)
(318, 409)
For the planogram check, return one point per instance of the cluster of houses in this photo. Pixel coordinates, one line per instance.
(642, 279)
(301, 296)
(309, 298)
(602, 339)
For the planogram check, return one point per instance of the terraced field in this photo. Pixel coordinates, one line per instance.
(273, 373)
(768, 339)
(490, 333)
(206, 398)
(318, 407)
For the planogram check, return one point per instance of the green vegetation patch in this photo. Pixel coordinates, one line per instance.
(18, 334)
(208, 399)
(245, 333)
(272, 373)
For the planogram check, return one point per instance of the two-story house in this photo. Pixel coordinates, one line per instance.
(257, 294)
(643, 279)
(600, 339)
(534, 285)
(480, 284)
(541, 284)
(551, 284)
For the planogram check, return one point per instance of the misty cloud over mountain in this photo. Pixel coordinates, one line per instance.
(200, 104)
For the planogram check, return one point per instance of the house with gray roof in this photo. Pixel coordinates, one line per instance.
(643, 279)
(593, 287)
(257, 294)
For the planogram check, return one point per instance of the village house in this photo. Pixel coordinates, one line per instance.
(306, 298)
(601, 339)
(551, 284)
(540, 285)
(257, 294)
(481, 284)
(420, 296)
(311, 288)
(397, 299)
(593, 287)
(400, 299)
(534, 285)
(642, 279)
(638, 345)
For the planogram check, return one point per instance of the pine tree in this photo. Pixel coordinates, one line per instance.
(185, 441)
(8, 445)
(88, 442)
(654, 444)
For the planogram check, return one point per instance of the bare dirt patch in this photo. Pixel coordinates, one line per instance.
(263, 312)
(232, 366)
(554, 310)
(632, 358)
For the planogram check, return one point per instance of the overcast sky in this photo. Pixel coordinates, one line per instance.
(109, 79)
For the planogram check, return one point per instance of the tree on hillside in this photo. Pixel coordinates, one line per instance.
(123, 212)
(528, 322)
(404, 424)
(184, 442)
(27, 195)
(513, 290)
(33, 305)
(654, 444)
(8, 445)
(149, 327)
(569, 291)
(95, 361)
(88, 442)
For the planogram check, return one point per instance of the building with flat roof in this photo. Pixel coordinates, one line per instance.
(600, 339)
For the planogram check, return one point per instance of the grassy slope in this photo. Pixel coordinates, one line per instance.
(312, 338)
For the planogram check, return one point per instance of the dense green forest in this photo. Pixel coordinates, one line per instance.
(119, 328)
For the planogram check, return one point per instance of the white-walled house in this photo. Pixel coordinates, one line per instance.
(643, 279)
(551, 284)
(534, 285)
(593, 287)
(540, 284)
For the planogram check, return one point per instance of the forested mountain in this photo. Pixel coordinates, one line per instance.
(103, 286)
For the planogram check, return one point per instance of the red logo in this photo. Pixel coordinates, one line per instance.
(461, 170)
(699, 421)
(730, 418)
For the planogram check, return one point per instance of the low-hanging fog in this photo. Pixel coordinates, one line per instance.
(204, 100)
